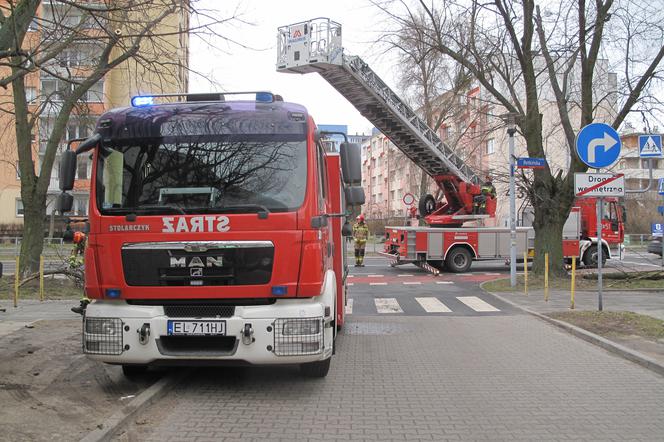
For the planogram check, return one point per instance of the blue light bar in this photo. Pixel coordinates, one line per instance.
(264, 97)
(142, 100)
(279, 290)
(113, 293)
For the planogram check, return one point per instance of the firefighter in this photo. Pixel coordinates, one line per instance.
(74, 261)
(487, 191)
(360, 234)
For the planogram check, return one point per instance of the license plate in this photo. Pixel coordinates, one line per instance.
(196, 328)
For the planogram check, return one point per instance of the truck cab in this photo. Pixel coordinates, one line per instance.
(215, 233)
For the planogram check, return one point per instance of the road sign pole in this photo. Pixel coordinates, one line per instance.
(600, 206)
(511, 131)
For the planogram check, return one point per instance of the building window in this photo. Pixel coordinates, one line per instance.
(490, 147)
(19, 207)
(30, 94)
(81, 206)
(83, 169)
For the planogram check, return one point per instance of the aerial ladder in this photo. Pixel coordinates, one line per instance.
(315, 46)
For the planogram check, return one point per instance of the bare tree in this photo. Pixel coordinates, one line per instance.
(71, 46)
(534, 58)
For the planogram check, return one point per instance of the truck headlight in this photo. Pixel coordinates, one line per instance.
(301, 327)
(298, 336)
(102, 336)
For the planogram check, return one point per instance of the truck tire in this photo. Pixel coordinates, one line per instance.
(427, 205)
(316, 369)
(458, 260)
(132, 371)
(590, 256)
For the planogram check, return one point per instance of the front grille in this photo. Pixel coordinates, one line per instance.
(217, 263)
(199, 311)
(197, 345)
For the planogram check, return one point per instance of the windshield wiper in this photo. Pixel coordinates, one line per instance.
(148, 208)
(155, 207)
(262, 210)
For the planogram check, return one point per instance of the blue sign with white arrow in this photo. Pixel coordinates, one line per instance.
(598, 145)
(660, 188)
(650, 146)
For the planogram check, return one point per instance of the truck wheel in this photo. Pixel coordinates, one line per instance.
(427, 205)
(316, 369)
(458, 260)
(590, 256)
(133, 371)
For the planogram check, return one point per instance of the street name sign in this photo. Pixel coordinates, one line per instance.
(650, 146)
(599, 184)
(530, 163)
(598, 145)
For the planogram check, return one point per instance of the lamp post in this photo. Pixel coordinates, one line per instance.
(511, 130)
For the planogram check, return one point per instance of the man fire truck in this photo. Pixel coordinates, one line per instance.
(215, 233)
(315, 46)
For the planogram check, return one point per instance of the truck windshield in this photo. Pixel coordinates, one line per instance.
(198, 175)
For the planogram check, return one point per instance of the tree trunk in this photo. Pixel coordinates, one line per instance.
(33, 237)
(548, 224)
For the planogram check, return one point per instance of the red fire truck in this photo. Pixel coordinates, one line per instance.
(215, 233)
(316, 46)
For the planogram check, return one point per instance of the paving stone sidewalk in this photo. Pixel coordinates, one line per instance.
(649, 303)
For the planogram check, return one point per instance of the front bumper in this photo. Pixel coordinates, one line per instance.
(116, 332)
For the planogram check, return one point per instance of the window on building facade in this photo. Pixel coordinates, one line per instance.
(83, 168)
(19, 207)
(81, 205)
(490, 146)
(30, 94)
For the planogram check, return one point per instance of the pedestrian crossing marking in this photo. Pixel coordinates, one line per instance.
(413, 283)
(377, 283)
(375, 276)
(349, 306)
(387, 305)
(433, 305)
(477, 304)
(444, 282)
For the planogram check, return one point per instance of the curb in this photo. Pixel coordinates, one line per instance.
(110, 426)
(620, 350)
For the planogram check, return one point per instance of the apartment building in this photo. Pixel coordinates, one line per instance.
(45, 90)
(636, 169)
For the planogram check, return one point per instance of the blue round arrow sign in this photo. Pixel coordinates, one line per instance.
(598, 145)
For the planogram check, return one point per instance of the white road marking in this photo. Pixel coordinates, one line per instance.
(375, 276)
(402, 276)
(433, 305)
(491, 274)
(387, 305)
(444, 282)
(377, 283)
(349, 306)
(350, 283)
(351, 276)
(477, 304)
(412, 283)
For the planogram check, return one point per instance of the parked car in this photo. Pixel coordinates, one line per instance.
(655, 246)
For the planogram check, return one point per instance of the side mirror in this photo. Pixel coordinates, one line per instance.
(318, 222)
(346, 229)
(67, 170)
(351, 163)
(354, 196)
(64, 202)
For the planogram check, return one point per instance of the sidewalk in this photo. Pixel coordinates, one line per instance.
(30, 310)
(649, 303)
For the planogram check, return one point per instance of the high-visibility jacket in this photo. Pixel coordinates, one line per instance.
(360, 234)
(488, 189)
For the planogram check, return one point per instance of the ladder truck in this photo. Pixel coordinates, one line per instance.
(316, 46)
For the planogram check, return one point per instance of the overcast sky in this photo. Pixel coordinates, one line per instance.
(234, 68)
